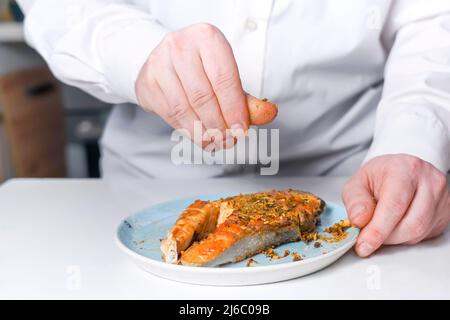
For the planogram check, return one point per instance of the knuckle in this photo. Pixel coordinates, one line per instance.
(144, 95)
(206, 29)
(346, 187)
(345, 191)
(200, 98)
(345, 196)
(440, 181)
(174, 41)
(355, 198)
(418, 228)
(376, 235)
(142, 82)
(398, 206)
(442, 223)
(169, 38)
(225, 81)
(414, 163)
(445, 224)
(152, 60)
(177, 111)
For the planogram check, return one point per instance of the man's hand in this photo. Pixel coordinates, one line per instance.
(192, 76)
(396, 199)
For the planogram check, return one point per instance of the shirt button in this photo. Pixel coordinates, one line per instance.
(251, 24)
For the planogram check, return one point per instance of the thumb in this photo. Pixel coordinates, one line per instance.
(261, 111)
(358, 200)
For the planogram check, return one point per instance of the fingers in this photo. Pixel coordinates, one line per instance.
(442, 218)
(195, 73)
(222, 71)
(200, 94)
(413, 202)
(435, 216)
(358, 200)
(178, 112)
(395, 196)
(441, 225)
(417, 222)
(153, 93)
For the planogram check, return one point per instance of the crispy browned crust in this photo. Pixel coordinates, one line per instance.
(195, 223)
(257, 214)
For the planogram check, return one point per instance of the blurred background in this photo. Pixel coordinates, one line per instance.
(47, 129)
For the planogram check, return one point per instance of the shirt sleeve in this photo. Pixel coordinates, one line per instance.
(413, 116)
(98, 46)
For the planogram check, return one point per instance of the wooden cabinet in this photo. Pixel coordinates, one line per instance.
(32, 115)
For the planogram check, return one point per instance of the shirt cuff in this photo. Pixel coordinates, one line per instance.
(125, 51)
(419, 134)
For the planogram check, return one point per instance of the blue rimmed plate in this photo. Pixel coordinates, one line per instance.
(139, 237)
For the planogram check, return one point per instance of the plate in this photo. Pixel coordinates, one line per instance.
(139, 236)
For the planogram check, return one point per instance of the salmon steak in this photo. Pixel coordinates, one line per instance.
(213, 233)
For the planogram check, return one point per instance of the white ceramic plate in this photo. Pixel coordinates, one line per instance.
(139, 236)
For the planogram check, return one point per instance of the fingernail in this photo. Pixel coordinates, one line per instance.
(364, 249)
(237, 130)
(357, 211)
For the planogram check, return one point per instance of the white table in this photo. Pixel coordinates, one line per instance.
(57, 240)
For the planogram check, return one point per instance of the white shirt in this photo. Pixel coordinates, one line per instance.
(342, 73)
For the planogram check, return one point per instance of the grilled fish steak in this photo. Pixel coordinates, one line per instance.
(195, 223)
(210, 234)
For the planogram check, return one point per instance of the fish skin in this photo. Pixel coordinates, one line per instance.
(195, 223)
(225, 246)
(236, 238)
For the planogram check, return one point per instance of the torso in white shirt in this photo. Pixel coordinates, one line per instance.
(323, 65)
